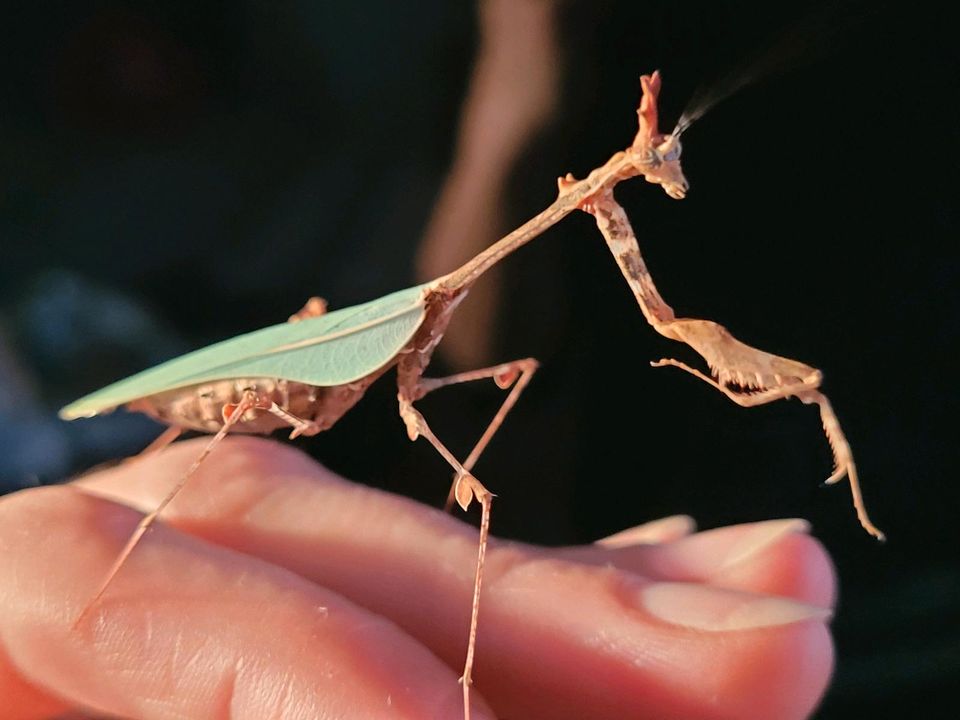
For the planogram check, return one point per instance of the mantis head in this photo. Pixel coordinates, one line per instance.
(658, 155)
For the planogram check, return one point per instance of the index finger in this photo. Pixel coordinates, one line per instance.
(558, 639)
(192, 630)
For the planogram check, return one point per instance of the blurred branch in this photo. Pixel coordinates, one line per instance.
(513, 91)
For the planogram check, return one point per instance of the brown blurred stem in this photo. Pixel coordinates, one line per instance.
(512, 93)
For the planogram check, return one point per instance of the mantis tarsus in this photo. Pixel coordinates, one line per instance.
(305, 374)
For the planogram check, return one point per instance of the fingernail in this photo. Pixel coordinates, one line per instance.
(715, 610)
(760, 536)
(662, 530)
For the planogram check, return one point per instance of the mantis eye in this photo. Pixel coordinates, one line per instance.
(670, 151)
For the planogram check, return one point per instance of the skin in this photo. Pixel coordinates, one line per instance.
(274, 589)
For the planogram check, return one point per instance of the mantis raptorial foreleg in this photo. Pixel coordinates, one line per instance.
(747, 375)
(517, 373)
(843, 457)
(743, 399)
(808, 394)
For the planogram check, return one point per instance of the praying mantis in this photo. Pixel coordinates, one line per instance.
(305, 374)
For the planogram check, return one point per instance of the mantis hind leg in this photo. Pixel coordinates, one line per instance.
(232, 414)
(156, 446)
(300, 425)
(160, 443)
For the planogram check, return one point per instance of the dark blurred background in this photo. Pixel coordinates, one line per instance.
(175, 173)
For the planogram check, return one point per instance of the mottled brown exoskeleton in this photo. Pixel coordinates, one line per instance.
(230, 397)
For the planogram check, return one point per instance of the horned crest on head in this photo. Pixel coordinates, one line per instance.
(647, 112)
(659, 155)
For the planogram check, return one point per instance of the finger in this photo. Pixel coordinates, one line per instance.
(774, 557)
(191, 630)
(21, 699)
(586, 638)
(558, 639)
(663, 530)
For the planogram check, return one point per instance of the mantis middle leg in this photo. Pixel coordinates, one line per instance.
(517, 373)
(412, 386)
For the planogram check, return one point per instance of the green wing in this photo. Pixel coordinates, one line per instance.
(332, 349)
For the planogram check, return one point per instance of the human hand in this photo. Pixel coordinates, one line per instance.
(274, 589)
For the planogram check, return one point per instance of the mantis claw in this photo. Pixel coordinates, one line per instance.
(839, 474)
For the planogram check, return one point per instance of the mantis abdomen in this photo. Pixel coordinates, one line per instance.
(205, 407)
